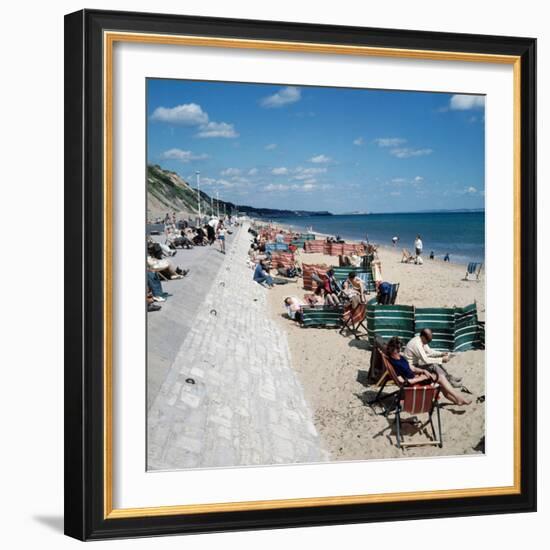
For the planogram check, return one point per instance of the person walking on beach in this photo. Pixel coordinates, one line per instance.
(395, 240)
(447, 258)
(418, 247)
(221, 237)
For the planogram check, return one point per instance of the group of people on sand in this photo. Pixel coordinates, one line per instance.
(178, 235)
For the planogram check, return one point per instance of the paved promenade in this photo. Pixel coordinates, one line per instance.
(231, 397)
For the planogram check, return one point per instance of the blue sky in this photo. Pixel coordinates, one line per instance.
(320, 148)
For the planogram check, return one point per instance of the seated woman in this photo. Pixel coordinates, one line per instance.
(354, 289)
(294, 308)
(414, 375)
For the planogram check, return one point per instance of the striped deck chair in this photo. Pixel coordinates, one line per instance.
(366, 261)
(441, 321)
(419, 400)
(388, 321)
(389, 299)
(407, 257)
(468, 330)
(474, 268)
(353, 319)
(341, 274)
(413, 399)
(322, 316)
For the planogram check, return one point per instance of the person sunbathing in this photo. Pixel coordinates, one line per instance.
(415, 375)
(293, 308)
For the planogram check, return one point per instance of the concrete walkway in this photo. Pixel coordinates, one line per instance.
(231, 397)
(168, 328)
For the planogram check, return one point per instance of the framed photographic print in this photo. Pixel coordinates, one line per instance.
(300, 274)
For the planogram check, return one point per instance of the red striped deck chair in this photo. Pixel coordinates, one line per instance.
(417, 400)
(353, 319)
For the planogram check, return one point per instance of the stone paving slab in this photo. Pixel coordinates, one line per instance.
(231, 397)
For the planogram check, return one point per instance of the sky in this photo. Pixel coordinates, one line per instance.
(320, 148)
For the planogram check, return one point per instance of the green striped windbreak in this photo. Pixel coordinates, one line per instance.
(467, 329)
(307, 237)
(441, 321)
(454, 329)
(389, 321)
(327, 316)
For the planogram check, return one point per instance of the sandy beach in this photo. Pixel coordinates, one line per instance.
(333, 367)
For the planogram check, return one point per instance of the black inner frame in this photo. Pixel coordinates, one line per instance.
(84, 491)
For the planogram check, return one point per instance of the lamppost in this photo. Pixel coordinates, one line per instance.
(218, 204)
(198, 174)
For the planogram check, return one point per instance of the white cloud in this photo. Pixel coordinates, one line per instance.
(188, 114)
(270, 147)
(358, 141)
(398, 180)
(308, 186)
(407, 152)
(389, 142)
(395, 193)
(253, 172)
(182, 156)
(285, 96)
(281, 171)
(320, 159)
(276, 187)
(231, 172)
(217, 129)
(462, 102)
(470, 190)
(302, 173)
(216, 182)
(418, 179)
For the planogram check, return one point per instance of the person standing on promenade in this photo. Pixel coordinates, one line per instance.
(221, 237)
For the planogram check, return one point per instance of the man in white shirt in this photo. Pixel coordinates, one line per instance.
(419, 354)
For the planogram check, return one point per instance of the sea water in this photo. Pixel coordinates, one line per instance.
(459, 234)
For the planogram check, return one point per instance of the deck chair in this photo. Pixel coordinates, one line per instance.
(389, 299)
(386, 376)
(407, 257)
(474, 268)
(414, 399)
(353, 319)
(322, 316)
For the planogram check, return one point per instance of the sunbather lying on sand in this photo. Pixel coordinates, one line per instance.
(294, 308)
